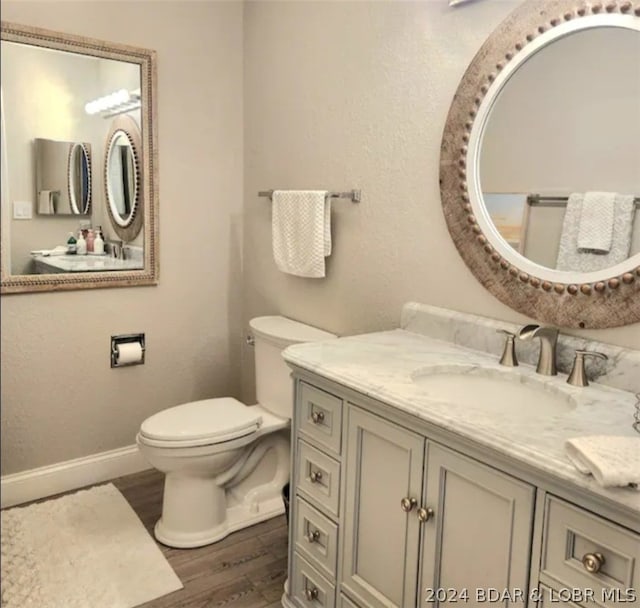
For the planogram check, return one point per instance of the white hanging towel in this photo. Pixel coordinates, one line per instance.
(595, 230)
(613, 461)
(301, 231)
(571, 257)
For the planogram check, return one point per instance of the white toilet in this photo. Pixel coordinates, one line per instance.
(225, 462)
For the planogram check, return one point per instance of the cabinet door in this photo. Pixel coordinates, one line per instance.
(479, 536)
(383, 465)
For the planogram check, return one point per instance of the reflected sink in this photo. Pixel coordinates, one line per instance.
(492, 390)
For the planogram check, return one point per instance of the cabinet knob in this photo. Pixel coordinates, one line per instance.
(592, 562)
(317, 417)
(315, 476)
(425, 514)
(311, 594)
(407, 504)
(313, 537)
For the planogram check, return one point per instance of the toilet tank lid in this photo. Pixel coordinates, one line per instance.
(283, 332)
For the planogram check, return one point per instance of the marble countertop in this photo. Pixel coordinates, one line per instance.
(381, 365)
(87, 263)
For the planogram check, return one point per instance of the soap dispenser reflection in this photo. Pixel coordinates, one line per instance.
(81, 245)
(98, 244)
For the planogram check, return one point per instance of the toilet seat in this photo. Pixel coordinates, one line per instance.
(205, 422)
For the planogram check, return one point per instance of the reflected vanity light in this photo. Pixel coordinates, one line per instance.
(115, 103)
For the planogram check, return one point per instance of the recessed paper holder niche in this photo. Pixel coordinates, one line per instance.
(126, 339)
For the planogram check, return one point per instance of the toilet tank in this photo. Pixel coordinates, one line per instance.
(273, 376)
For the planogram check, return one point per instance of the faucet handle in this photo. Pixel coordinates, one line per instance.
(508, 358)
(578, 376)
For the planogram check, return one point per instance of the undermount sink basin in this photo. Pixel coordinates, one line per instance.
(492, 390)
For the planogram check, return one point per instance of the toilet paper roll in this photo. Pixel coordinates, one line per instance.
(129, 352)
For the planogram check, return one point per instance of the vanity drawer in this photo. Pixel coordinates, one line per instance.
(571, 535)
(309, 587)
(316, 538)
(318, 478)
(320, 417)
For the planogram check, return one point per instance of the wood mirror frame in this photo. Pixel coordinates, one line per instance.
(607, 302)
(129, 229)
(146, 60)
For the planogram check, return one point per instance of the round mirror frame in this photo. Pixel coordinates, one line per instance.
(86, 208)
(129, 229)
(609, 302)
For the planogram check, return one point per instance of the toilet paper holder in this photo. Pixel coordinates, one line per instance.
(126, 339)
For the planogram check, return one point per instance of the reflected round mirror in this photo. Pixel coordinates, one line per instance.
(122, 182)
(79, 179)
(539, 163)
(122, 178)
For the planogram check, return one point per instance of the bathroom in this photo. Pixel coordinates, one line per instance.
(252, 96)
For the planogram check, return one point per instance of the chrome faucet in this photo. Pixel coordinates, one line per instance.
(548, 342)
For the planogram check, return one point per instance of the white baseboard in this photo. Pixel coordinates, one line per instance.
(69, 475)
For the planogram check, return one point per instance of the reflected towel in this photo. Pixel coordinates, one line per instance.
(595, 231)
(301, 231)
(572, 259)
(45, 202)
(613, 461)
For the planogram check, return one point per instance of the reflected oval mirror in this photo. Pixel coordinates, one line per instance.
(79, 182)
(122, 178)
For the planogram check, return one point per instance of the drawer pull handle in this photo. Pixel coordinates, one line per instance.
(317, 417)
(315, 476)
(311, 594)
(592, 562)
(407, 504)
(313, 537)
(425, 514)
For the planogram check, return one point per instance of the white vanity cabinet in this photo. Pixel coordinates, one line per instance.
(390, 511)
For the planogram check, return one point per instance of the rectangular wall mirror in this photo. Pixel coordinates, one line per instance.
(79, 162)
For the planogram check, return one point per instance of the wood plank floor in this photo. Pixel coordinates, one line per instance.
(247, 569)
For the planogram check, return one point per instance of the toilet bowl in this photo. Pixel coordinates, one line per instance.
(225, 463)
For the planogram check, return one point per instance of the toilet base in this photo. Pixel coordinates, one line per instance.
(238, 517)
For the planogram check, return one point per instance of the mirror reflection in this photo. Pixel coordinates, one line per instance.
(560, 152)
(122, 183)
(79, 179)
(63, 178)
(58, 110)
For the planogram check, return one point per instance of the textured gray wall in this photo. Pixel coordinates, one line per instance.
(343, 95)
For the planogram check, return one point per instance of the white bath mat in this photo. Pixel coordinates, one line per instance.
(83, 550)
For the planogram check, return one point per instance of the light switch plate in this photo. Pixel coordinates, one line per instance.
(22, 210)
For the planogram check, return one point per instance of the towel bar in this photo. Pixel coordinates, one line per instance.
(354, 195)
(559, 201)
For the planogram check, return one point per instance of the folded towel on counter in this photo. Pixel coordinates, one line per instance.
(571, 258)
(301, 231)
(595, 230)
(58, 250)
(613, 461)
